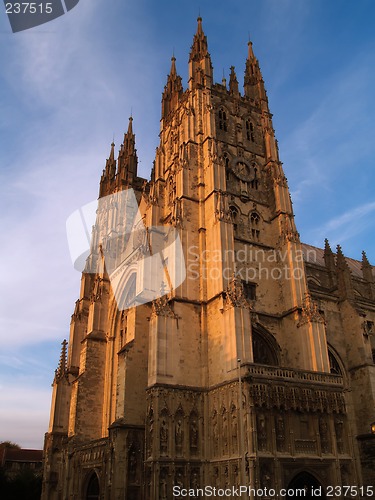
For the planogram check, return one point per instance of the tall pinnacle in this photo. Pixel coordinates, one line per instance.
(108, 173)
(127, 159)
(253, 81)
(328, 254)
(367, 268)
(129, 139)
(200, 67)
(112, 153)
(344, 280)
(199, 49)
(172, 90)
(174, 82)
(62, 367)
(329, 260)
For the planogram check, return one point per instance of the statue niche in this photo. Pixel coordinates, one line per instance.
(179, 433)
(164, 434)
(193, 433)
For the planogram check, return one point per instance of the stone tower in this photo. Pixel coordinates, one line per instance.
(230, 378)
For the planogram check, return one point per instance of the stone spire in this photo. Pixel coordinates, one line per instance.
(129, 139)
(172, 91)
(233, 82)
(344, 278)
(109, 173)
(200, 66)
(366, 268)
(253, 81)
(199, 49)
(368, 274)
(329, 260)
(62, 366)
(127, 160)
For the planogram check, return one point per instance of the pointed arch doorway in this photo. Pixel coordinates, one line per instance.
(93, 488)
(305, 480)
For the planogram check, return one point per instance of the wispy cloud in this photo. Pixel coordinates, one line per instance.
(347, 225)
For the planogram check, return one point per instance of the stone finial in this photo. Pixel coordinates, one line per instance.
(365, 262)
(368, 275)
(329, 261)
(344, 275)
(233, 82)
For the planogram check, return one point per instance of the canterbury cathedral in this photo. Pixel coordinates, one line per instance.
(252, 362)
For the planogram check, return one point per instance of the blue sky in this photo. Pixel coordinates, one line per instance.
(69, 86)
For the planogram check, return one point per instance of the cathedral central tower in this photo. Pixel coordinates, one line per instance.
(222, 380)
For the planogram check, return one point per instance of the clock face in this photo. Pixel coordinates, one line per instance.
(243, 171)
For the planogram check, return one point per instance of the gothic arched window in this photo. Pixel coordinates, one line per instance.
(250, 131)
(255, 182)
(254, 218)
(226, 161)
(263, 353)
(234, 216)
(334, 365)
(130, 291)
(223, 125)
(93, 488)
(254, 225)
(226, 165)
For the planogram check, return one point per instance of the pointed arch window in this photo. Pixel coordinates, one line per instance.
(263, 353)
(226, 165)
(255, 182)
(226, 161)
(254, 225)
(93, 488)
(234, 216)
(250, 131)
(334, 365)
(223, 122)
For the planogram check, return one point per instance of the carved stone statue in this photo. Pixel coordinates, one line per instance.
(150, 431)
(234, 429)
(164, 434)
(339, 429)
(132, 464)
(280, 432)
(163, 488)
(323, 431)
(225, 431)
(179, 436)
(193, 431)
(262, 431)
(215, 433)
